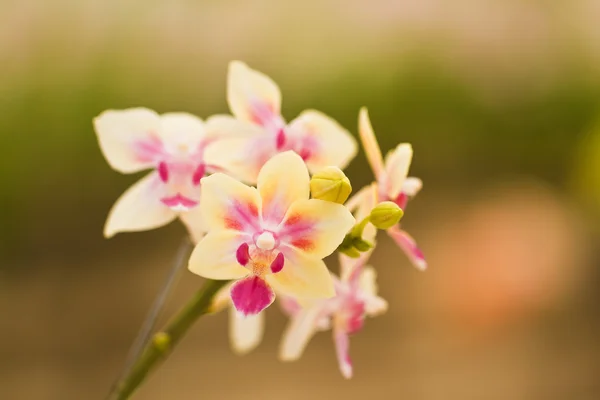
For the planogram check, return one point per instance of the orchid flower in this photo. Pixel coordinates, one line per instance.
(171, 144)
(356, 297)
(269, 238)
(255, 101)
(392, 184)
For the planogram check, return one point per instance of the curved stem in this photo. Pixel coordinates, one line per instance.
(164, 341)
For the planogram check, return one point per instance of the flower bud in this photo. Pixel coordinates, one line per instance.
(330, 184)
(385, 215)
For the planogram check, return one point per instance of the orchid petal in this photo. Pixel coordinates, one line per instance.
(315, 227)
(245, 332)
(229, 204)
(412, 186)
(221, 299)
(252, 95)
(302, 277)
(214, 257)
(342, 349)
(409, 246)
(282, 181)
(350, 267)
(139, 208)
(181, 131)
(397, 164)
(251, 295)
(129, 139)
(193, 221)
(325, 141)
(374, 305)
(239, 156)
(369, 142)
(298, 333)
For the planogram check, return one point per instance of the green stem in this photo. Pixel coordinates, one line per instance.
(163, 342)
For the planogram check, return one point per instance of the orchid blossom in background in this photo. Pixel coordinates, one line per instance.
(356, 298)
(269, 237)
(173, 145)
(261, 131)
(392, 184)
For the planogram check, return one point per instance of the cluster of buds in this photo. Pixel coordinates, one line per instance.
(242, 186)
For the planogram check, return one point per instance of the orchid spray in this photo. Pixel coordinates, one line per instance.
(263, 201)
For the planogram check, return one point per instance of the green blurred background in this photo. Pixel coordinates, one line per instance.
(500, 99)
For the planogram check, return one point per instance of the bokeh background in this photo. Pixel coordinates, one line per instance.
(500, 99)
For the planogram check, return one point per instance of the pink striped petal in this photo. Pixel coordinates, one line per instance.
(409, 246)
(252, 95)
(251, 295)
(129, 139)
(342, 349)
(302, 327)
(322, 140)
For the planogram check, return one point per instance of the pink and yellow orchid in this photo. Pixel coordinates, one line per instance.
(261, 131)
(269, 237)
(392, 184)
(171, 144)
(356, 298)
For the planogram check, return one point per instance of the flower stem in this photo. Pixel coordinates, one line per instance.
(164, 341)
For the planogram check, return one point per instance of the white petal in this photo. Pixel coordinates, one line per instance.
(245, 332)
(328, 142)
(139, 208)
(342, 350)
(129, 139)
(298, 333)
(397, 164)
(412, 186)
(181, 132)
(252, 95)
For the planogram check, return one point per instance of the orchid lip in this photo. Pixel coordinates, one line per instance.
(179, 202)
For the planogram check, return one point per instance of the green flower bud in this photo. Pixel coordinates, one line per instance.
(385, 215)
(330, 184)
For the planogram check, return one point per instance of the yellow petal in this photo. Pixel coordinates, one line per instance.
(397, 164)
(228, 204)
(245, 332)
(369, 142)
(302, 277)
(181, 132)
(333, 145)
(214, 257)
(315, 227)
(298, 333)
(252, 95)
(282, 180)
(139, 208)
(129, 139)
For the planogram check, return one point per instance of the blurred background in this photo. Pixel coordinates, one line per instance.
(500, 99)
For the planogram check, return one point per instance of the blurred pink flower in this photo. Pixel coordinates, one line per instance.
(259, 130)
(356, 297)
